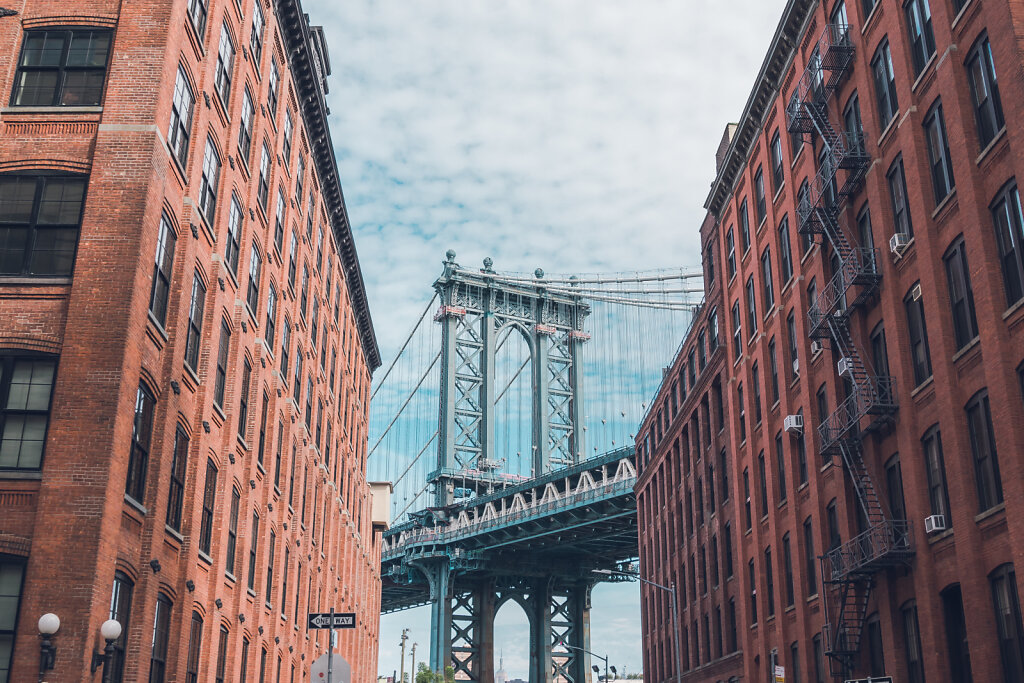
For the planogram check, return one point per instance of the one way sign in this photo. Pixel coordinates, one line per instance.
(341, 620)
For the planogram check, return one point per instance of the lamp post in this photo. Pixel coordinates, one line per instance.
(671, 588)
(592, 654)
(111, 631)
(412, 669)
(48, 625)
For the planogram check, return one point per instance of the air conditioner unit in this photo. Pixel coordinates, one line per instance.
(915, 293)
(899, 242)
(934, 523)
(845, 367)
(794, 423)
(796, 366)
(816, 346)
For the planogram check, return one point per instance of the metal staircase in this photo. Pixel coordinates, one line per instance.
(847, 570)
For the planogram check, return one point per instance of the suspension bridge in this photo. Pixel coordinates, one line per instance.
(505, 422)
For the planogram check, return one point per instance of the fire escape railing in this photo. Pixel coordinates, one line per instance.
(848, 569)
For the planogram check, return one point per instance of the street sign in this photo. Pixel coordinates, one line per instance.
(780, 674)
(876, 679)
(341, 672)
(341, 620)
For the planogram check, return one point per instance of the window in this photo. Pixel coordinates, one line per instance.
(961, 297)
(956, 635)
(220, 378)
(730, 258)
(774, 367)
(297, 381)
(11, 574)
(262, 442)
(794, 354)
(270, 329)
(162, 270)
(232, 531)
(983, 446)
(1008, 622)
(286, 145)
(286, 335)
(252, 294)
(762, 477)
(922, 38)
(314, 325)
(254, 536)
(319, 247)
(263, 665)
(197, 14)
(272, 86)
(885, 84)
(935, 470)
(785, 251)
(751, 307)
(819, 653)
(794, 659)
(1009, 226)
(769, 582)
(61, 67)
(742, 404)
(766, 280)
(810, 559)
(898, 194)
(912, 643)
(270, 566)
(755, 381)
(938, 153)
(263, 188)
(121, 610)
(142, 432)
(835, 539)
(780, 468)
(803, 212)
(256, 37)
(304, 292)
(209, 181)
(292, 255)
(713, 329)
(894, 487)
(225, 65)
(25, 387)
(737, 330)
(776, 150)
(40, 216)
(727, 543)
(245, 126)
(746, 499)
(875, 650)
(752, 587)
(787, 561)
(745, 226)
(161, 634)
(180, 130)
(919, 354)
(988, 108)
(195, 322)
(179, 466)
(209, 497)
(762, 208)
(231, 244)
(243, 672)
(222, 652)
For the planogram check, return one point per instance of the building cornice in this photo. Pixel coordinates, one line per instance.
(298, 43)
(766, 87)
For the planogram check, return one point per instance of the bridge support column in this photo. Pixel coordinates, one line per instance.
(439, 577)
(472, 634)
(540, 634)
(579, 635)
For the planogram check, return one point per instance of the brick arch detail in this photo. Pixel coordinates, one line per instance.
(97, 20)
(31, 343)
(11, 544)
(42, 164)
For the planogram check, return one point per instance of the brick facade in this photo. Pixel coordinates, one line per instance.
(104, 504)
(962, 567)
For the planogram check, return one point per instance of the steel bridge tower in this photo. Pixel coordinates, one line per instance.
(475, 311)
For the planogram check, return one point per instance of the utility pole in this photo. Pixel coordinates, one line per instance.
(405, 637)
(412, 669)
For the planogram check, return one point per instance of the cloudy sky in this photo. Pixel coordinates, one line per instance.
(573, 135)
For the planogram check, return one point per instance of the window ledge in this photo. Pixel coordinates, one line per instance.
(51, 110)
(21, 474)
(946, 203)
(889, 128)
(156, 323)
(34, 281)
(174, 534)
(875, 11)
(797, 156)
(991, 512)
(778, 192)
(999, 137)
(922, 386)
(935, 538)
(967, 347)
(205, 558)
(135, 504)
(1018, 306)
(925, 71)
(963, 13)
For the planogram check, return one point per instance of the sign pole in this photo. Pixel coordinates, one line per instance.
(330, 648)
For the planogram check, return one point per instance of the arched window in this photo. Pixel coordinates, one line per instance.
(1008, 622)
(120, 610)
(161, 632)
(195, 643)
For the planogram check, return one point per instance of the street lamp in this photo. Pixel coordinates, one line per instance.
(592, 654)
(111, 631)
(671, 588)
(48, 625)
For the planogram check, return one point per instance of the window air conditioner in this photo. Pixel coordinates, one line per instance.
(816, 347)
(794, 423)
(845, 367)
(934, 523)
(796, 366)
(898, 243)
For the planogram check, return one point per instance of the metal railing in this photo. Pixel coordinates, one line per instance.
(886, 542)
(832, 51)
(859, 267)
(872, 394)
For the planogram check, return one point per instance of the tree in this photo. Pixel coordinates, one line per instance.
(425, 675)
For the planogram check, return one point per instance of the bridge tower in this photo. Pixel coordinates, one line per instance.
(476, 308)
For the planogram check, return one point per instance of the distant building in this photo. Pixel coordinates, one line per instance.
(500, 676)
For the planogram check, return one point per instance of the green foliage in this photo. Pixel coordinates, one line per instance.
(425, 675)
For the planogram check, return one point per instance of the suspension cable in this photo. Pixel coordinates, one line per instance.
(407, 340)
(413, 461)
(409, 398)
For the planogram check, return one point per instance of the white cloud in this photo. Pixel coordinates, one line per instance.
(565, 134)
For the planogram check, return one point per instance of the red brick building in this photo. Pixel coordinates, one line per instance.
(849, 504)
(185, 346)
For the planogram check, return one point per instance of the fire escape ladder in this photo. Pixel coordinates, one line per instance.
(847, 570)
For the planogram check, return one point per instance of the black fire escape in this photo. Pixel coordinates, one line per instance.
(847, 570)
